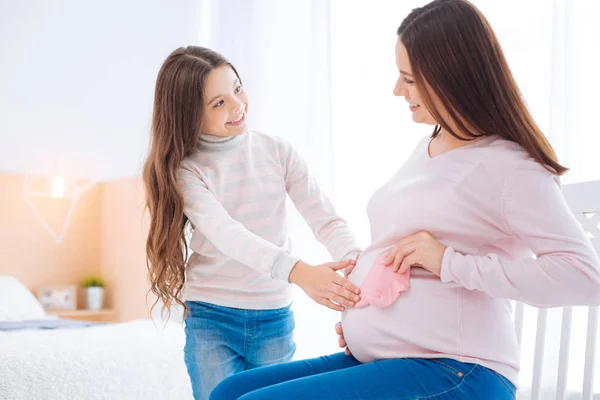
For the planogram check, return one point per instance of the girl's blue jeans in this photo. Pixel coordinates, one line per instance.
(222, 341)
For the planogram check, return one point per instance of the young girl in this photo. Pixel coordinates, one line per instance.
(206, 167)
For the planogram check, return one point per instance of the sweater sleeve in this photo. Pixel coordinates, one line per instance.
(229, 236)
(566, 268)
(316, 209)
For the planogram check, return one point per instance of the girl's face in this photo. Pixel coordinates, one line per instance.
(226, 104)
(406, 88)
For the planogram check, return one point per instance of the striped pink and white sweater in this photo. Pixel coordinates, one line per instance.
(235, 192)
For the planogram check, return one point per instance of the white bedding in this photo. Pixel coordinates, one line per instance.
(133, 360)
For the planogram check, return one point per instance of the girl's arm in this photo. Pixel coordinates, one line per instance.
(232, 239)
(316, 209)
(229, 236)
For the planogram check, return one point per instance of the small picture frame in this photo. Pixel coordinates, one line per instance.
(58, 297)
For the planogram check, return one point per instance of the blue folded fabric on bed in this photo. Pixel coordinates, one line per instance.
(58, 323)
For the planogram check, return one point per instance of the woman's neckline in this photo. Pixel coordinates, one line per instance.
(471, 143)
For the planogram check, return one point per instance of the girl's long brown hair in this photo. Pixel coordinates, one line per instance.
(454, 51)
(176, 126)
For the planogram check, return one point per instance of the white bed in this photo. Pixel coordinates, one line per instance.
(133, 360)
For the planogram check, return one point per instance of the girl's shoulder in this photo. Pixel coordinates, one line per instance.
(266, 140)
(272, 146)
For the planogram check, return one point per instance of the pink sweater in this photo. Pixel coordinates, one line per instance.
(494, 208)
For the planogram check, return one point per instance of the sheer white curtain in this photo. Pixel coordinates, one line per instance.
(553, 48)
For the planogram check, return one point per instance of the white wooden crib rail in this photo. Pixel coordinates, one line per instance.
(584, 201)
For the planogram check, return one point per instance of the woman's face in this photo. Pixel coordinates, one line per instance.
(406, 88)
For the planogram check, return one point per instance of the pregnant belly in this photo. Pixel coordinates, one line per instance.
(423, 321)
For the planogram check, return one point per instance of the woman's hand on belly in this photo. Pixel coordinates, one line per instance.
(418, 250)
(348, 271)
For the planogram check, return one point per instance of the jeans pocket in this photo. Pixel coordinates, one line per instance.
(209, 317)
(449, 368)
(199, 305)
(284, 311)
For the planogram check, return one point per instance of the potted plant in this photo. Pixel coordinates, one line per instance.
(94, 292)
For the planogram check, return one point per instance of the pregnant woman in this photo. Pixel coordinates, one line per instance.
(463, 217)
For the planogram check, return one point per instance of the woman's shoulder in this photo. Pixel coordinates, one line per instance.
(510, 163)
(495, 162)
(499, 153)
(510, 155)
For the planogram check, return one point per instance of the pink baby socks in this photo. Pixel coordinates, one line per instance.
(382, 285)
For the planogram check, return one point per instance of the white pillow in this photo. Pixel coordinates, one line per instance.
(17, 303)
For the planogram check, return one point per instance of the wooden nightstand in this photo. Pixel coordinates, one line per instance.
(104, 315)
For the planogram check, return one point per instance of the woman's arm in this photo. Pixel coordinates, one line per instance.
(566, 270)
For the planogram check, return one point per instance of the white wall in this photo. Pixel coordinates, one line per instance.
(77, 81)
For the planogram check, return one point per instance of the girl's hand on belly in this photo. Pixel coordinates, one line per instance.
(324, 285)
(418, 250)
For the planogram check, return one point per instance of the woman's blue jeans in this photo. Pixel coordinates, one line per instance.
(341, 377)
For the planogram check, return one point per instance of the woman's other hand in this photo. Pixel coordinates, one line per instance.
(418, 250)
(341, 341)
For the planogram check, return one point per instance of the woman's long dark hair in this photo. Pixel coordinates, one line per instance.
(453, 51)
